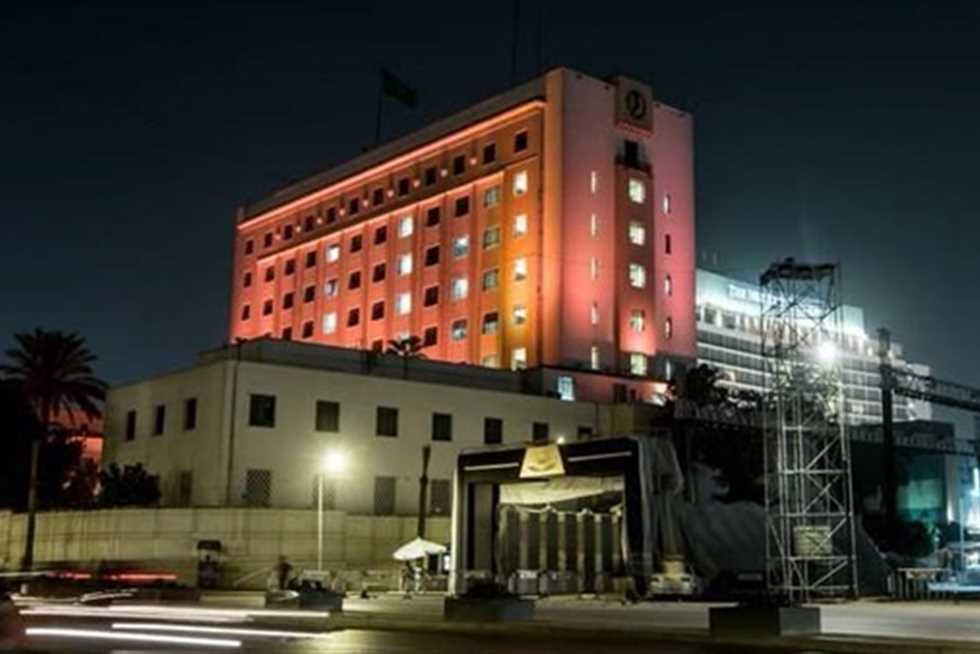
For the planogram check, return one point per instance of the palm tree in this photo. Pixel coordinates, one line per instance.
(54, 371)
(407, 348)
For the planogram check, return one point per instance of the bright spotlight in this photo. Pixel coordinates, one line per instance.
(334, 462)
(827, 353)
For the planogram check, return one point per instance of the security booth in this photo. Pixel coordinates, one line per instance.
(549, 519)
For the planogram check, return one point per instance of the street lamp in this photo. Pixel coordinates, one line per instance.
(332, 463)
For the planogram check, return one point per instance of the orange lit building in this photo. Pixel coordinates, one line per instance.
(551, 225)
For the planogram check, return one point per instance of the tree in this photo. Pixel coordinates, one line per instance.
(128, 486)
(407, 348)
(54, 369)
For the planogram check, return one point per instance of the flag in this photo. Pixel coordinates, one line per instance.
(397, 89)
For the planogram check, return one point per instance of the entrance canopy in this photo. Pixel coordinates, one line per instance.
(558, 489)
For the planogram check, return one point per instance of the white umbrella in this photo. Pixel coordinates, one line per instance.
(416, 549)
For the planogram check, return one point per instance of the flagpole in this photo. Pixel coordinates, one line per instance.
(377, 122)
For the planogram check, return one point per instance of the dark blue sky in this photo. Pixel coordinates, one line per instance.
(845, 131)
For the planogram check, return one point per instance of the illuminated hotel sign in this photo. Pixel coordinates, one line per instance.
(633, 104)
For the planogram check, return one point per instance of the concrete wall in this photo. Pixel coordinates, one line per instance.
(165, 539)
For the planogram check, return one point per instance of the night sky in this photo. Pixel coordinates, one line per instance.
(848, 132)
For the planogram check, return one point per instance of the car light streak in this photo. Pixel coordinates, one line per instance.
(132, 637)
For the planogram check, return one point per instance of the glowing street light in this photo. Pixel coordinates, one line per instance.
(332, 463)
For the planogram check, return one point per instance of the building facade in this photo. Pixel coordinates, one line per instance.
(550, 225)
(729, 337)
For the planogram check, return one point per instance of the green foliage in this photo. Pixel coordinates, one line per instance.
(128, 486)
(406, 347)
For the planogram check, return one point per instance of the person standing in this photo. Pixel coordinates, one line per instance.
(284, 571)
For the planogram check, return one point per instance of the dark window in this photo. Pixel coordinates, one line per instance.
(584, 433)
(493, 431)
(245, 312)
(356, 243)
(262, 410)
(287, 333)
(432, 217)
(459, 164)
(403, 186)
(249, 246)
(353, 317)
(431, 296)
(270, 274)
(378, 196)
(185, 485)
(308, 329)
(380, 235)
(387, 421)
(442, 427)
(520, 142)
(190, 413)
(311, 259)
(267, 307)
(287, 232)
(159, 419)
(354, 281)
(331, 215)
(430, 336)
(462, 206)
(267, 240)
(287, 301)
(378, 345)
(667, 243)
(430, 176)
(258, 488)
(308, 224)
(309, 293)
(384, 496)
(631, 153)
(352, 206)
(130, 425)
(377, 311)
(290, 267)
(489, 153)
(440, 497)
(432, 256)
(490, 323)
(539, 432)
(327, 416)
(248, 280)
(378, 275)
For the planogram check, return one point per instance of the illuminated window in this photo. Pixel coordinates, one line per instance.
(593, 182)
(666, 203)
(668, 328)
(638, 276)
(668, 286)
(460, 287)
(330, 323)
(353, 317)
(490, 322)
(593, 225)
(491, 237)
(565, 387)
(330, 288)
(595, 313)
(520, 269)
(491, 279)
(637, 191)
(377, 311)
(432, 217)
(520, 183)
(490, 361)
(594, 357)
(403, 303)
(430, 336)
(459, 330)
(461, 246)
(489, 153)
(518, 358)
(491, 197)
(520, 225)
(594, 268)
(333, 253)
(638, 233)
(519, 314)
(245, 312)
(430, 297)
(406, 226)
(638, 363)
(405, 264)
(520, 142)
(638, 320)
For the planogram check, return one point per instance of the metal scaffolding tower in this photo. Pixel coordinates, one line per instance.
(809, 516)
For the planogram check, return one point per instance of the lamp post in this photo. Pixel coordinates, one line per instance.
(333, 462)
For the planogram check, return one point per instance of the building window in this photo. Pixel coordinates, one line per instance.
(262, 410)
(354, 281)
(353, 317)
(330, 288)
(406, 226)
(459, 288)
(593, 182)
(491, 237)
(520, 225)
(668, 286)
(668, 328)
(245, 312)
(491, 278)
(539, 432)
(287, 301)
(356, 243)
(384, 496)
(666, 243)
(459, 164)
(459, 329)
(461, 246)
(631, 153)
(267, 308)
(327, 416)
(310, 259)
(378, 310)
(520, 269)
(565, 387)
(638, 320)
(287, 232)
(190, 414)
(520, 182)
(638, 275)
(403, 186)
(430, 336)
(666, 203)
(442, 427)
(490, 361)
(258, 488)
(637, 233)
(333, 252)
(353, 206)
(290, 267)
(331, 215)
(594, 357)
(267, 240)
(308, 223)
(432, 217)
(520, 141)
(518, 358)
(378, 273)
(595, 313)
(270, 274)
(381, 235)
(432, 256)
(430, 296)
(286, 334)
(377, 196)
(247, 280)
(249, 246)
(594, 268)
(490, 321)
(403, 303)
(386, 421)
(309, 293)
(430, 175)
(493, 431)
(638, 364)
(462, 206)
(637, 191)
(159, 419)
(404, 264)
(307, 329)
(440, 497)
(491, 197)
(519, 314)
(489, 153)
(330, 322)
(593, 225)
